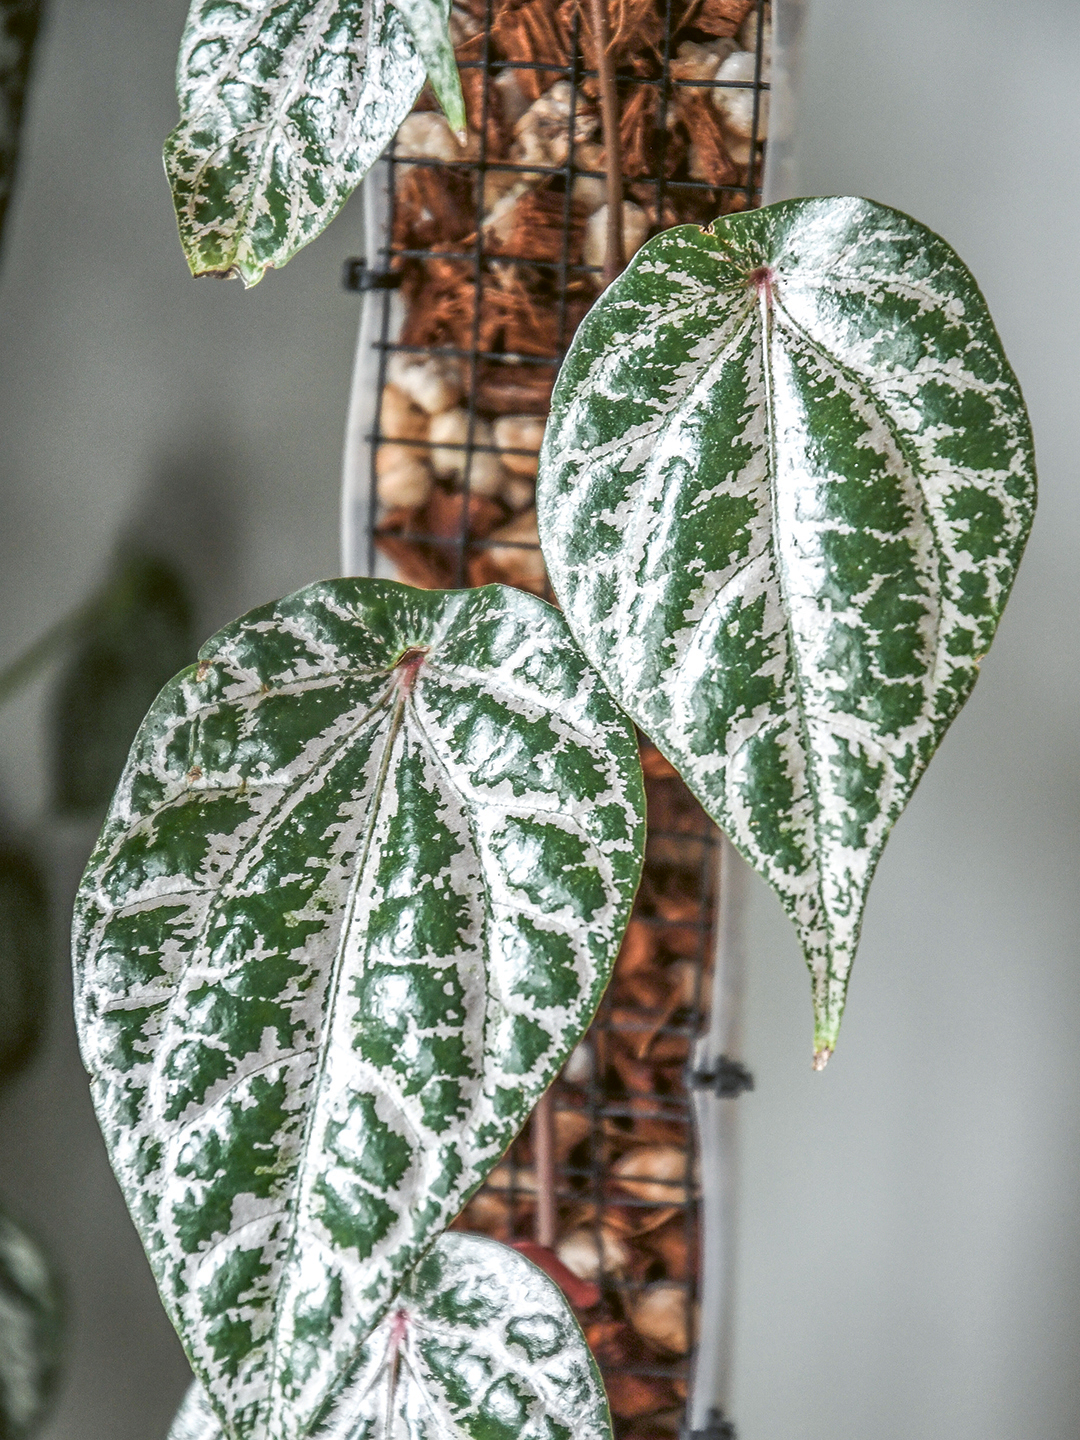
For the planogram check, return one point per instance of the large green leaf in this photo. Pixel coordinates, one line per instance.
(134, 638)
(24, 959)
(480, 1345)
(284, 107)
(30, 1333)
(784, 489)
(358, 895)
(19, 20)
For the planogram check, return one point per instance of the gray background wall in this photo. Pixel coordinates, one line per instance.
(911, 1238)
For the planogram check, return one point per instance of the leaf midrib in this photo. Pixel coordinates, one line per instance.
(301, 1164)
(767, 300)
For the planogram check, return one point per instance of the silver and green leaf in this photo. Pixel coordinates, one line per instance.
(358, 895)
(479, 1345)
(284, 107)
(784, 489)
(30, 1333)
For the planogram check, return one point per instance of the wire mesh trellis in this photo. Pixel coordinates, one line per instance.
(488, 262)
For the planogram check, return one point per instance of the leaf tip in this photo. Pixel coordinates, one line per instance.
(821, 1057)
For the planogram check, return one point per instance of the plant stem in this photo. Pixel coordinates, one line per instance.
(614, 251)
(543, 1135)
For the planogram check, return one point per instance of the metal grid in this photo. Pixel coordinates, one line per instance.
(620, 1102)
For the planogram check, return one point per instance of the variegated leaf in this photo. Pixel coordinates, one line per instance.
(284, 107)
(196, 1420)
(30, 1333)
(429, 27)
(358, 895)
(480, 1345)
(785, 486)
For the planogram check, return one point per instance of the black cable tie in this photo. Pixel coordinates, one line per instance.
(727, 1077)
(716, 1428)
(356, 276)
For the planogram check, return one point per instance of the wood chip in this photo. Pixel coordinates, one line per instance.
(539, 228)
(633, 1395)
(656, 1173)
(720, 17)
(433, 209)
(532, 33)
(708, 157)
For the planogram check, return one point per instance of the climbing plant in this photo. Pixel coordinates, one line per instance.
(363, 880)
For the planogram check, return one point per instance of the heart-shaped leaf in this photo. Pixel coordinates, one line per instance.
(30, 1333)
(284, 107)
(480, 1345)
(786, 483)
(358, 895)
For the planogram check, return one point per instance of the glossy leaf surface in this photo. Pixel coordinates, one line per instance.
(358, 895)
(284, 107)
(133, 641)
(785, 486)
(30, 1333)
(480, 1345)
(24, 959)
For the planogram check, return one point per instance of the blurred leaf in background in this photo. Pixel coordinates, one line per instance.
(24, 960)
(31, 1322)
(132, 641)
(18, 29)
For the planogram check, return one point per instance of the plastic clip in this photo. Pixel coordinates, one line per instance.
(727, 1077)
(356, 276)
(716, 1428)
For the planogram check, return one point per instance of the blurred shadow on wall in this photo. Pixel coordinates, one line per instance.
(189, 514)
(123, 1369)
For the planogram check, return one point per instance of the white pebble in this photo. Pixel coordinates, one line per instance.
(661, 1316)
(635, 231)
(695, 62)
(578, 1069)
(431, 381)
(748, 32)
(589, 192)
(517, 492)
(542, 135)
(521, 562)
(737, 106)
(403, 476)
(425, 135)
(449, 434)
(581, 1254)
(399, 418)
(519, 432)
